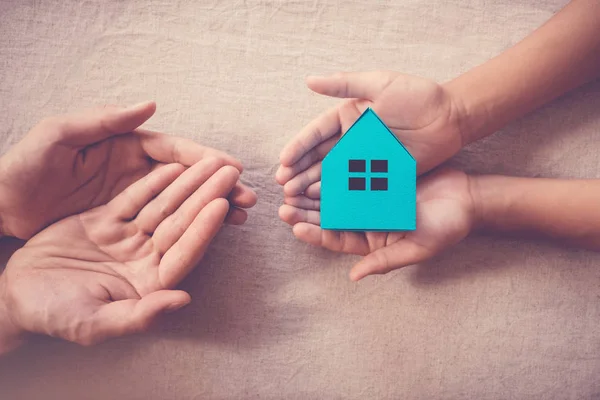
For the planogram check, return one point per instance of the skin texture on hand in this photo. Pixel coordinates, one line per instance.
(562, 209)
(70, 163)
(445, 216)
(112, 270)
(421, 113)
(543, 66)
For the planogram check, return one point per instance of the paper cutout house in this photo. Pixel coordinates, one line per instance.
(368, 180)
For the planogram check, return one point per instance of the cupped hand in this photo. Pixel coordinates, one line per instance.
(445, 215)
(112, 270)
(421, 113)
(70, 163)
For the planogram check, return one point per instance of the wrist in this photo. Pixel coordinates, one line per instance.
(492, 201)
(472, 114)
(10, 335)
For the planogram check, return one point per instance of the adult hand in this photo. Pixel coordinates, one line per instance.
(111, 270)
(70, 163)
(421, 113)
(445, 215)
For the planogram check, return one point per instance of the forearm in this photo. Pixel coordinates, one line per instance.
(10, 336)
(561, 55)
(561, 209)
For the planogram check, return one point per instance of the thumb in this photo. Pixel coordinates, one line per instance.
(359, 85)
(133, 316)
(98, 124)
(400, 254)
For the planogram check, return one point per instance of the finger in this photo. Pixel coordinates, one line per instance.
(318, 131)
(157, 165)
(400, 254)
(359, 85)
(169, 200)
(183, 256)
(92, 126)
(339, 241)
(284, 174)
(129, 202)
(313, 191)
(303, 202)
(236, 216)
(132, 316)
(300, 182)
(169, 149)
(242, 196)
(173, 227)
(293, 215)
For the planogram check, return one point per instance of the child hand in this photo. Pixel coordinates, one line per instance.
(445, 216)
(421, 113)
(111, 270)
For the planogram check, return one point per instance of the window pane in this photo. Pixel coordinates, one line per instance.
(356, 184)
(379, 165)
(357, 165)
(379, 184)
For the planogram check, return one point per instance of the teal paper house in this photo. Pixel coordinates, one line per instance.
(368, 180)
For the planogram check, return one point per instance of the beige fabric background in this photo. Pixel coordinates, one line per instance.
(272, 317)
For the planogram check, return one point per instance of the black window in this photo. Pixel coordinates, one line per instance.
(379, 166)
(377, 175)
(356, 183)
(357, 165)
(379, 184)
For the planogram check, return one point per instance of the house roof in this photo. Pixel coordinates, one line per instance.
(369, 111)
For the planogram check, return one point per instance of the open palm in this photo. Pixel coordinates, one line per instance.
(111, 270)
(70, 163)
(419, 112)
(445, 215)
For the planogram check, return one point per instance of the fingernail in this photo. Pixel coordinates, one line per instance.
(141, 105)
(174, 307)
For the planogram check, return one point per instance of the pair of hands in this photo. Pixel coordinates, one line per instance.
(159, 200)
(154, 204)
(427, 120)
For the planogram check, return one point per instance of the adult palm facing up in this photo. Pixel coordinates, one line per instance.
(111, 270)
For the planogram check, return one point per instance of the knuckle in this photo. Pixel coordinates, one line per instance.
(175, 226)
(342, 244)
(136, 242)
(176, 152)
(83, 333)
(316, 204)
(382, 263)
(164, 211)
(106, 118)
(317, 135)
(315, 156)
